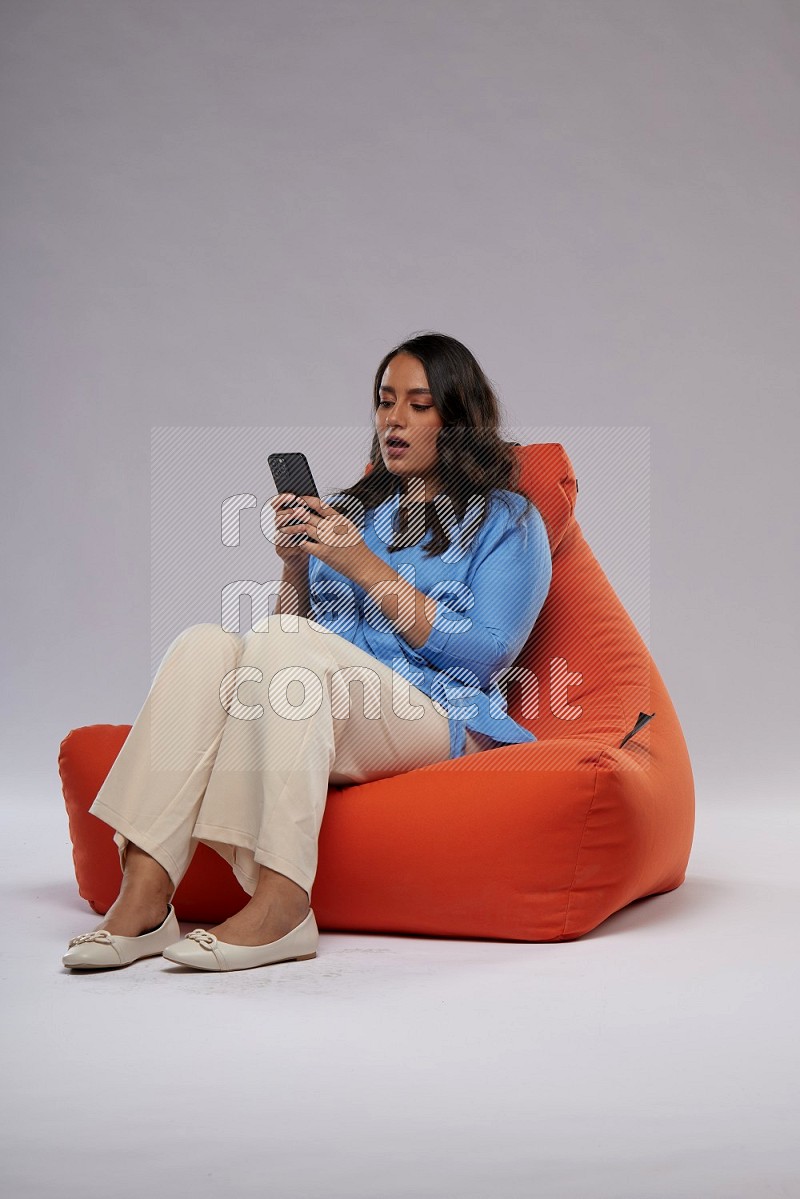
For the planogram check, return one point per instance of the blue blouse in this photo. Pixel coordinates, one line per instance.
(490, 587)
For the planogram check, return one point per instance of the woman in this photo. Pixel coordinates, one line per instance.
(422, 583)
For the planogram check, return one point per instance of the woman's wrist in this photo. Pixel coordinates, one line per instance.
(296, 568)
(293, 593)
(410, 610)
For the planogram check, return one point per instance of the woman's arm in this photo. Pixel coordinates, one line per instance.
(507, 586)
(397, 599)
(336, 540)
(498, 606)
(293, 593)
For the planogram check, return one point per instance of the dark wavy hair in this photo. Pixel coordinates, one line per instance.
(473, 459)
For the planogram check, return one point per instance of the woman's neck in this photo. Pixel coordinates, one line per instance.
(418, 494)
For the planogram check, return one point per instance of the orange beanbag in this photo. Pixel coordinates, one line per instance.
(534, 842)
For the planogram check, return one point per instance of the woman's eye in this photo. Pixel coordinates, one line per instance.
(416, 407)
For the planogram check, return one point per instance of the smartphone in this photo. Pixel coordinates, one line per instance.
(291, 472)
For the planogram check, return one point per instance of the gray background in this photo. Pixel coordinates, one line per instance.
(218, 217)
(225, 214)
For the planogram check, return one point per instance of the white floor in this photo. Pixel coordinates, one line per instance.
(656, 1057)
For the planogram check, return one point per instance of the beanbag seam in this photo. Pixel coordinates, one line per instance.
(603, 753)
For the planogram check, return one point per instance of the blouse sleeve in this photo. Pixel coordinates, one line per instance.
(497, 608)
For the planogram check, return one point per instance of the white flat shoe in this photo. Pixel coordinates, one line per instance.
(103, 950)
(202, 950)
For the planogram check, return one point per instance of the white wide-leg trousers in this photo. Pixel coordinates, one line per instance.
(241, 735)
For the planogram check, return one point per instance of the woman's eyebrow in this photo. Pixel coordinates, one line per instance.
(412, 391)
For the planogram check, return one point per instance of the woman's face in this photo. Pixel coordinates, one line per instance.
(406, 411)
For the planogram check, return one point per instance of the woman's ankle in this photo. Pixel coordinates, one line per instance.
(278, 890)
(133, 913)
(142, 871)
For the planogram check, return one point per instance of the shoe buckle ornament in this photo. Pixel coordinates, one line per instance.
(102, 935)
(206, 939)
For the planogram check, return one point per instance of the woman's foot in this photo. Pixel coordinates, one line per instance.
(258, 927)
(144, 897)
(278, 905)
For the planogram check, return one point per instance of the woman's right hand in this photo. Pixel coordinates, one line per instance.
(292, 555)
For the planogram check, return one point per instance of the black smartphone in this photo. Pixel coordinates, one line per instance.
(291, 472)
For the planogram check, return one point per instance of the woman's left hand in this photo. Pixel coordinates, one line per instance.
(333, 537)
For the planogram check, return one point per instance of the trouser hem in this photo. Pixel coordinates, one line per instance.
(126, 831)
(215, 836)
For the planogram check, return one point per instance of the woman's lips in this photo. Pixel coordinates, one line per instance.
(395, 451)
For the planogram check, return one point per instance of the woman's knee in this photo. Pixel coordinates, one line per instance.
(207, 637)
(281, 633)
